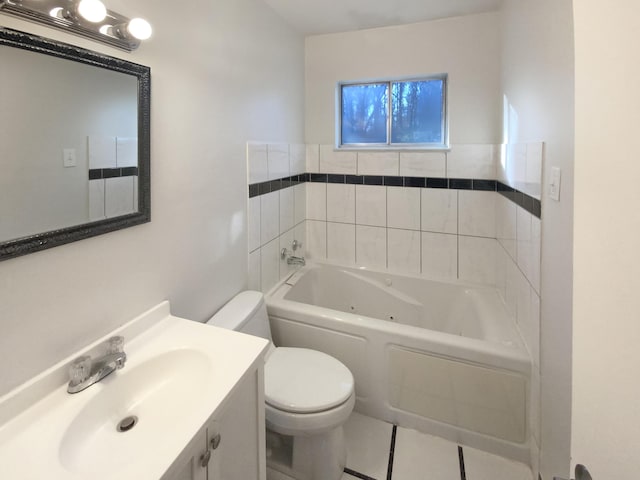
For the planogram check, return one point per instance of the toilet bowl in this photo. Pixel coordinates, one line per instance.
(308, 397)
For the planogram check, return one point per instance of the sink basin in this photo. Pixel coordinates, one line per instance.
(157, 393)
(177, 376)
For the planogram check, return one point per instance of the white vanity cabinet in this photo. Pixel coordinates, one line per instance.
(231, 446)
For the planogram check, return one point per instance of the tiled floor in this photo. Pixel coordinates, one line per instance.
(374, 452)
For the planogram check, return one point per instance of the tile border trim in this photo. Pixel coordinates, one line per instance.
(100, 173)
(527, 202)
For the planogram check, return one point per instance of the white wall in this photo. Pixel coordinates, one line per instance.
(467, 48)
(538, 81)
(606, 329)
(222, 73)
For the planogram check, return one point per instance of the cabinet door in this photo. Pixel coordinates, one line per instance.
(238, 433)
(189, 465)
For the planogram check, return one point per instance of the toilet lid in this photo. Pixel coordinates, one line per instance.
(300, 380)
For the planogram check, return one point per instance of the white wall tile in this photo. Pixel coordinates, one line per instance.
(477, 259)
(501, 271)
(102, 151)
(403, 250)
(536, 245)
(126, 152)
(477, 213)
(278, 160)
(257, 162)
(254, 270)
(471, 161)
(313, 158)
(341, 203)
(300, 203)
(423, 164)
(300, 235)
(269, 217)
(341, 243)
(287, 207)
(269, 265)
(403, 208)
(511, 288)
(316, 201)
(286, 240)
(297, 158)
(118, 196)
(371, 205)
(528, 246)
(253, 227)
(534, 334)
(332, 161)
(506, 212)
(96, 200)
(371, 246)
(439, 210)
(440, 255)
(378, 163)
(316, 240)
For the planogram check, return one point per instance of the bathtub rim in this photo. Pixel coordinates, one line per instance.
(515, 358)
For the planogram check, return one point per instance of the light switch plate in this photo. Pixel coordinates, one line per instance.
(554, 183)
(69, 157)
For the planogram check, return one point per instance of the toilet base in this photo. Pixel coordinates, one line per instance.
(308, 457)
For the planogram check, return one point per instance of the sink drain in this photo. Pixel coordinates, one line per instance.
(127, 423)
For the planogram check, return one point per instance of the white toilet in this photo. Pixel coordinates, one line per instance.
(308, 394)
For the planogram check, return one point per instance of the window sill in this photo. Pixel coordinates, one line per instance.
(390, 148)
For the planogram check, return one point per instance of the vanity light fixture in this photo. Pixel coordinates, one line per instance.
(88, 18)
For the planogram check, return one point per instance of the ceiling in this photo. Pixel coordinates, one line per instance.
(313, 17)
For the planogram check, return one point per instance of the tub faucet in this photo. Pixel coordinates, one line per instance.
(291, 258)
(85, 371)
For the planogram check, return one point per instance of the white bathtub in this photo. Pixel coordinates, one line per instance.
(443, 358)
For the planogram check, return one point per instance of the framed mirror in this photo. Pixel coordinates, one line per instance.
(74, 143)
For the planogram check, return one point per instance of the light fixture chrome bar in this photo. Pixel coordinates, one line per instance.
(42, 11)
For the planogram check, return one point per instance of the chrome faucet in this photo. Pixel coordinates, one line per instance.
(85, 371)
(291, 258)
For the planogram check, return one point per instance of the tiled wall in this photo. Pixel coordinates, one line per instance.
(113, 176)
(432, 213)
(276, 215)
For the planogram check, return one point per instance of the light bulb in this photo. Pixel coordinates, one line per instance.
(92, 10)
(139, 28)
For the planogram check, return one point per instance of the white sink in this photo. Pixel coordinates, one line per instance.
(177, 375)
(157, 392)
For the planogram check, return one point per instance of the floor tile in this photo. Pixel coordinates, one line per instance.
(368, 443)
(480, 465)
(421, 456)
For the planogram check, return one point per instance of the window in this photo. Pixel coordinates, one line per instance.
(394, 113)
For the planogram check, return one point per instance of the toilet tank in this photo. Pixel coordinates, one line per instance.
(246, 313)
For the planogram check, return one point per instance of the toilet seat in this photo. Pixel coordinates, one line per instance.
(303, 381)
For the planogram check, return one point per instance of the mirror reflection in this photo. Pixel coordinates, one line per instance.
(68, 143)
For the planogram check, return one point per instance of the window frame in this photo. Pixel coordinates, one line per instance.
(389, 145)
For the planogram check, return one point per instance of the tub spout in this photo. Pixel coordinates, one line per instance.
(291, 258)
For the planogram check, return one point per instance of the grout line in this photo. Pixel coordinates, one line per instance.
(463, 474)
(353, 473)
(392, 451)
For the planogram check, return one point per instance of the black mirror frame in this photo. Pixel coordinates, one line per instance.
(41, 241)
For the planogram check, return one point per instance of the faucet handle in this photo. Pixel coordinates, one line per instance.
(115, 345)
(80, 369)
